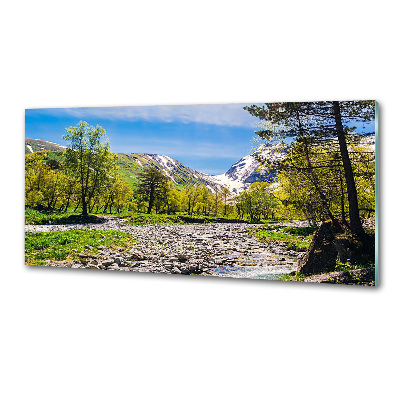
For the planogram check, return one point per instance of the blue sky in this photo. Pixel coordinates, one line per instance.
(208, 138)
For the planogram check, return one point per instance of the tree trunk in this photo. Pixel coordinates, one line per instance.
(84, 207)
(151, 200)
(67, 205)
(342, 201)
(354, 213)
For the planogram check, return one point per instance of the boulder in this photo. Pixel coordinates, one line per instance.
(330, 245)
(322, 254)
(118, 260)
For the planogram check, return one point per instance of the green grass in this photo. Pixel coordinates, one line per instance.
(293, 242)
(349, 267)
(291, 278)
(153, 219)
(34, 217)
(303, 231)
(56, 246)
(180, 218)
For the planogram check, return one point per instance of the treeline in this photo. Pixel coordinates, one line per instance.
(157, 193)
(310, 184)
(51, 186)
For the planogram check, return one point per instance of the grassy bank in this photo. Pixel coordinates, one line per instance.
(293, 237)
(41, 247)
(34, 217)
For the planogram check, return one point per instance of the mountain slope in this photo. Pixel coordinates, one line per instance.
(238, 178)
(248, 170)
(32, 145)
(131, 164)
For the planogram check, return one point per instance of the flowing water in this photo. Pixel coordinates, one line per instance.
(263, 265)
(225, 250)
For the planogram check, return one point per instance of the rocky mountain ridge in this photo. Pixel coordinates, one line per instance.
(238, 177)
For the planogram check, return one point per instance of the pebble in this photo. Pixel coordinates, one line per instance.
(181, 249)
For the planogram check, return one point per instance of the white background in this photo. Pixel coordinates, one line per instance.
(70, 334)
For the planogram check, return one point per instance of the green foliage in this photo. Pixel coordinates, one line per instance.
(89, 162)
(152, 187)
(84, 177)
(63, 245)
(317, 128)
(258, 202)
(297, 193)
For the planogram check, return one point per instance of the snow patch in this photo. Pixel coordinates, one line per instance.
(56, 144)
(165, 161)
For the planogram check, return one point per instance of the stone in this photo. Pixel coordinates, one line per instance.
(175, 270)
(355, 277)
(136, 255)
(107, 263)
(191, 249)
(119, 260)
(182, 257)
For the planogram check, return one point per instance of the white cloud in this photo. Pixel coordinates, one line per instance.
(214, 114)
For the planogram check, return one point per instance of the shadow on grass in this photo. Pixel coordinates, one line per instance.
(78, 219)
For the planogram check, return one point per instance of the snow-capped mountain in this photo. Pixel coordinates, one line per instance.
(238, 178)
(249, 170)
(368, 140)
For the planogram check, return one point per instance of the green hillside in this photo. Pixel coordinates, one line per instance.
(131, 164)
(180, 174)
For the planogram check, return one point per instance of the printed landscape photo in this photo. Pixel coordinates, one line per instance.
(274, 191)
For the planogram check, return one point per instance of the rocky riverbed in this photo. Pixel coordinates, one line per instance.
(204, 249)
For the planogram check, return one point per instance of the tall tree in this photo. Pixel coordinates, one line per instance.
(88, 160)
(314, 122)
(348, 110)
(152, 185)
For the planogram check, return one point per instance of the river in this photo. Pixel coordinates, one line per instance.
(218, 249)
